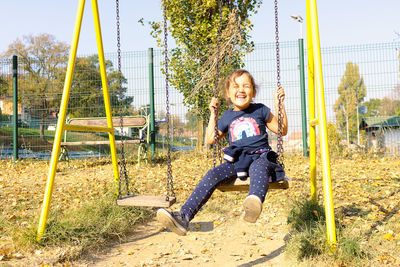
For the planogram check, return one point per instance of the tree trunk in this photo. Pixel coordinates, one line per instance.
(200, 135)
(41, 129)
(206, 146)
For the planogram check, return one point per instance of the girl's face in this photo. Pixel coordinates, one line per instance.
(241, 92)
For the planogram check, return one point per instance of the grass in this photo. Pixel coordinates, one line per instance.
(308, 238)
(86, 228)
(25, 131)
(83, 214)
(305, 215)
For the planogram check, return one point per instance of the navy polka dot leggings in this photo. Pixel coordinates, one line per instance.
(223, 173)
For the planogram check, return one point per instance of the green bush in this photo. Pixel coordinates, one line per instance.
(334, 140)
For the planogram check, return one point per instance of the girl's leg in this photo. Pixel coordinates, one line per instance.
(258, 173)
(206, 187)
(259, 177)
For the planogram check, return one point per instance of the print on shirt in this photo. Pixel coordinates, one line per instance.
(244, 127)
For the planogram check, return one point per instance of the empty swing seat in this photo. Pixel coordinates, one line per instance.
(239, 185)
(145, 201)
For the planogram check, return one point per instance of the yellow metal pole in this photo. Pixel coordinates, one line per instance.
(311, 110)
(103, 73)
(61, 121)
(326, 171)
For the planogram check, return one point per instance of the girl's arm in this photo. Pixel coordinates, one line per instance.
(210, 132)
(272, 122)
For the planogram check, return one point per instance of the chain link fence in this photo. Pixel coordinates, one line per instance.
(40, 87)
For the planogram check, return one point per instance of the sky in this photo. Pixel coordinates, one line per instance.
(341, 22)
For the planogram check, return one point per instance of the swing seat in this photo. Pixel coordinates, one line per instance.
(239, 185)
(146, 201)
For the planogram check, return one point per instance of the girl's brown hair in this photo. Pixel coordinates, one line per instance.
(233, 75)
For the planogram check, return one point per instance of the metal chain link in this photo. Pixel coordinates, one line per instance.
(219, 50)
(278, 78)
(170, 185)
(217, 145)
(122, 170)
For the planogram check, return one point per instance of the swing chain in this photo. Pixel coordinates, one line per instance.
(122, 171)
(278, 78)
(170, 185)
(217, 145)
(219, 50)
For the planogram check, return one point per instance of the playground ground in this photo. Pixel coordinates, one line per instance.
(366, 192)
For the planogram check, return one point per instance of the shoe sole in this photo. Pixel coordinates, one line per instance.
(252, 209)
(166, 219)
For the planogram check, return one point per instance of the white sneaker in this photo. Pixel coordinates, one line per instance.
(252, 208)
(174, 221)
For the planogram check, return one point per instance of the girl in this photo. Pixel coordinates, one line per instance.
(249, 153)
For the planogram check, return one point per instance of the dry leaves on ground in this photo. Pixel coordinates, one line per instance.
(366, 194)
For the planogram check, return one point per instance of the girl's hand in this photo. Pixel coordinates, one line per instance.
(214, 104)
(279, 95)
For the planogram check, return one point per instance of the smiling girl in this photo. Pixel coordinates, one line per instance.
(249, 153)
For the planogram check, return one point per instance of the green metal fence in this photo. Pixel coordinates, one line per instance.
(39, 95)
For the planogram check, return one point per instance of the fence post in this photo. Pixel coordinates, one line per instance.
(151, 92)
(15, 107)
(303, 98)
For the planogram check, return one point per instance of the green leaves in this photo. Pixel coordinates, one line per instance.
(87, 89)
(195, 26)
(352, 91)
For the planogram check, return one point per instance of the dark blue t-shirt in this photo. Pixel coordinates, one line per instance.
(246, 128)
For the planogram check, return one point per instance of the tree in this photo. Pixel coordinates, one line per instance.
(86, 96)
(194, 26)
(373, 106)
(386, 106)
(42, 59)
(351, 91)
(389, 107)
(335, 148)
(3, 86)
(191, 119)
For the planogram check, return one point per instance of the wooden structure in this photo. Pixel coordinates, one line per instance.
(239, 185)
(139, 122)
(146, 201)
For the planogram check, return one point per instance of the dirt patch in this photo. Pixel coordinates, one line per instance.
(213, 240)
